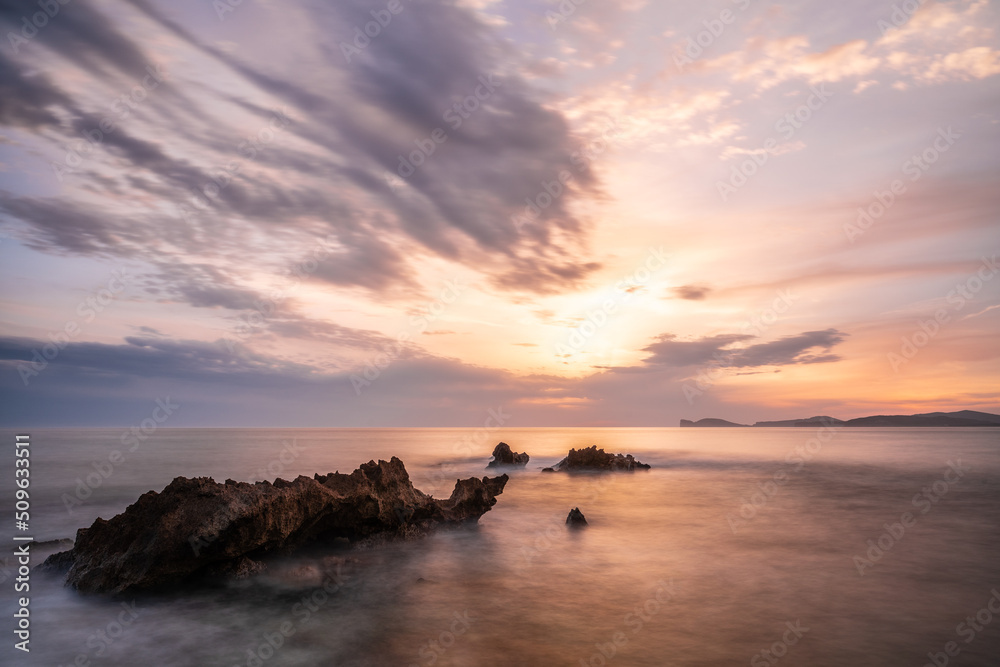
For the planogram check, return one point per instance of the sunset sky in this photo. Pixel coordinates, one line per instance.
(595, 214)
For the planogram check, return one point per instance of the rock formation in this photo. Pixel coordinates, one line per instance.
(576, 518)
(593, 458)
(198, 527)
(503, 456)
(710, 422)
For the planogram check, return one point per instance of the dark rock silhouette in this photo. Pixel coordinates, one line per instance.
(548, 469)
(576, 518)
(503, 456)
(708, 422)
(802, 423)
(927, 419)
(916, 420)
(198, 527)
(593, 458)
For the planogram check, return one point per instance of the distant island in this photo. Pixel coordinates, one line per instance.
(960, 418)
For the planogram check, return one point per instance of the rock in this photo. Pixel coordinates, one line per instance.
(576, 518)
(593, 458)
(503, 456)
(58, 563)
(200, 528)
(709, 422)
(548, 469)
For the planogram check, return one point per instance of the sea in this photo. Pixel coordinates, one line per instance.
(741, 546)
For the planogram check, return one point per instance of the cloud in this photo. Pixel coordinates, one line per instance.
(974, 63)
(292, 325)
(324, 174)
(59, 226)
(941, 42)
(668, 351)
(151, 357)
(798, 349)
(692, 292)
(83, 34)
(98, 383)
(25, 99)
(202, 286)
(809, 347)
(102, 384)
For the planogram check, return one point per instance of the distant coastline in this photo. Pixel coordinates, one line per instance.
(962, 418)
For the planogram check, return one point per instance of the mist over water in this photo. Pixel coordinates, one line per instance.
(738, 541)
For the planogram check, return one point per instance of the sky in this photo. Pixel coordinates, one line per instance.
(382, 213)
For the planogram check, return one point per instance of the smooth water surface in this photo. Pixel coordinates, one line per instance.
(736, 542)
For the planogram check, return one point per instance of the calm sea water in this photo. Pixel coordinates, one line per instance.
(739, 541)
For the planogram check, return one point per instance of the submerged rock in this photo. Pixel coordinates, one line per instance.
(503, 456)
(198, 527)
(593, 458)
(576, 518)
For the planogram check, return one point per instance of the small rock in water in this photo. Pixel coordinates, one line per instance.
(503, 456)
(548, 469)
(576, 518)
(592, 458)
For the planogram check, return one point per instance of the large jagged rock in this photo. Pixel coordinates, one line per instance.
(593, 458)
(503, 456)
(198, 527)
